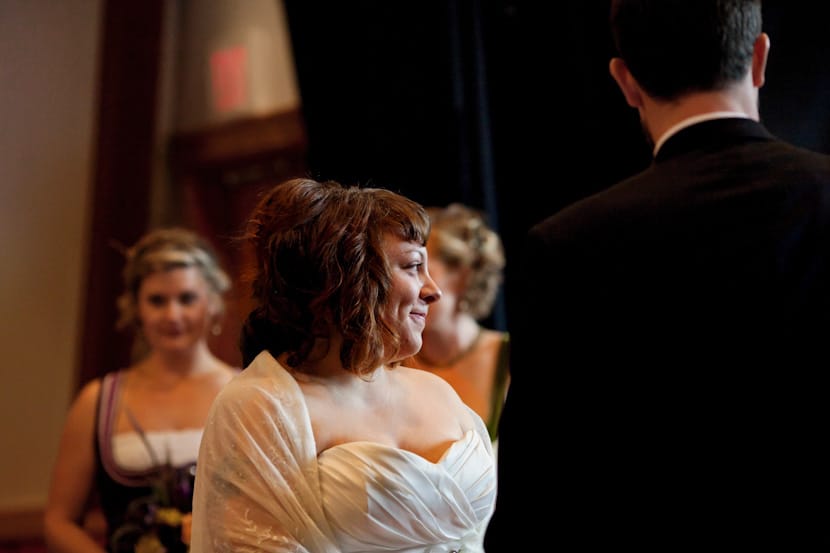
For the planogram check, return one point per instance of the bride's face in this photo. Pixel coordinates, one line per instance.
(411, 293)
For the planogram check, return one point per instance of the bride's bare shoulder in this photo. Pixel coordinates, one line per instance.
(428, 386)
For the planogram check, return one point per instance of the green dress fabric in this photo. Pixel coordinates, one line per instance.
(499, 386)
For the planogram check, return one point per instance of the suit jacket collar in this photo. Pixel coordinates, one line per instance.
(713, 134)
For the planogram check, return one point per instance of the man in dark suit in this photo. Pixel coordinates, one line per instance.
(669, 388)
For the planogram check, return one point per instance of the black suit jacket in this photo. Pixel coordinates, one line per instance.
(669, 385)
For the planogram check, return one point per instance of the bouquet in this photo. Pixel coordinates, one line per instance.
(160, 521)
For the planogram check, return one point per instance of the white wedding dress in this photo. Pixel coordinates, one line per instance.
(260, 485)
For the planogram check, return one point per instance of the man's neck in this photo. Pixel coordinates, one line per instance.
(662, 117)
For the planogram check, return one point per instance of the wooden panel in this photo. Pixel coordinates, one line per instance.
(218, 175)
(130, 49)
(20, 526)
(268, 137)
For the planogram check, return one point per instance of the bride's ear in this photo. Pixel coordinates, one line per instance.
(626, 81)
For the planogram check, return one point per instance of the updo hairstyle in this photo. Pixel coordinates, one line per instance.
(165, 249)
(463, 240)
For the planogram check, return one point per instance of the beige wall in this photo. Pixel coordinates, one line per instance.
(48, 63)
(48, 83)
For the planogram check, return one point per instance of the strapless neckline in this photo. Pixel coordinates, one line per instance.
(365, 444)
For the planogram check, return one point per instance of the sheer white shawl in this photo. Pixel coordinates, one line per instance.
(257, 486)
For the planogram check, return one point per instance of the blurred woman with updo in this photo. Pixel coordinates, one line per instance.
(131, 438)
(466, 259)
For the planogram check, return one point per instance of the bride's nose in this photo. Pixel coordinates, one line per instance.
(429, 291)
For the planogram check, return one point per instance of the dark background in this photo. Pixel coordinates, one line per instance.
(505, 106)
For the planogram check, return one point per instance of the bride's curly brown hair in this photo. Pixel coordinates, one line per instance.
(319, 265)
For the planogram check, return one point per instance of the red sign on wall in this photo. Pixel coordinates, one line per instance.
(228, 82)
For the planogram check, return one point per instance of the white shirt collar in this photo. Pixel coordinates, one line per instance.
(693, 120)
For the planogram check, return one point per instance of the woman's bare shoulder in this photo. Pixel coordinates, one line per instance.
(222, 373)
(229, 371)
(430, 387)
(88, 394)
(419, 377)
(83, 407)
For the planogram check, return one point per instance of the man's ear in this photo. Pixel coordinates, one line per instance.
(760, 52)
(628, 85)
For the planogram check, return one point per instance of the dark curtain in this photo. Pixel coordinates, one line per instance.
(795, 100)
(396, 95)
(379, 82)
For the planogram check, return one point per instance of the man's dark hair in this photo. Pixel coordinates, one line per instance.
(673, 47)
